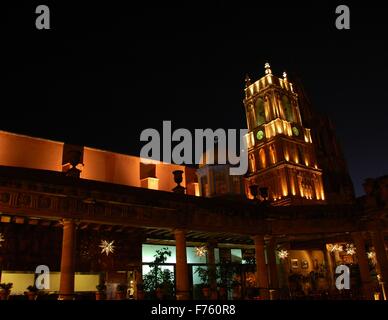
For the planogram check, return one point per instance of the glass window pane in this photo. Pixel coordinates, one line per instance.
(149, 250)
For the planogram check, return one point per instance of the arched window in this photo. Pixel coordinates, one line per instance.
(260, 113)
(251, 117)
(287, 109)
(263, 160)
(252, 164)
(300, 152)
(272, 154)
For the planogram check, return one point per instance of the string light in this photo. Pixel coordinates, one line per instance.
(2, 239)
(107, 247)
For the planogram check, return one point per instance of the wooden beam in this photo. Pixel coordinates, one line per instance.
(84, 225)
(33, 222)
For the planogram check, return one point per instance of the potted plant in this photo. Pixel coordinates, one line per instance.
(140, 291)
(224, 277)
(223, 290)
(203, 274)
(121, 292)
(32, 292)
(159, 283)
(236, 287)
(5, 290)
(101, 292)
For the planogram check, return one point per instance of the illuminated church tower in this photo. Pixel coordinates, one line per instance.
(280, 149)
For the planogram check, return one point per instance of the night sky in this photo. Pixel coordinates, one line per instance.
(104, 73)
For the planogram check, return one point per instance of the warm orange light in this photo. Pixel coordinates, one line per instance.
(279, 127)
(196, 189)
(284, 187)
(292, 184)
(286, 156)
(150, 183)
(262, 158)
(272, 154)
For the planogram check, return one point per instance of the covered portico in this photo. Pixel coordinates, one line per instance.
(78, 206)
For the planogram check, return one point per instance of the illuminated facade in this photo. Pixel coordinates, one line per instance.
(95, 216)
(280, 149)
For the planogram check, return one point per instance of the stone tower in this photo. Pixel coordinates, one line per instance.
(280, 149)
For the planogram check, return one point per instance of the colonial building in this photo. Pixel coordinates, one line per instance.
(93, 216)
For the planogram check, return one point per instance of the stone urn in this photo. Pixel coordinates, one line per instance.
(178, 178)
(254, 190)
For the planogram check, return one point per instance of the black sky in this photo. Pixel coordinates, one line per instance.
(105, 72)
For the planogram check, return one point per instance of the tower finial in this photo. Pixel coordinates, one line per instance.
(285, 75)
(247, 81)
(267, 68)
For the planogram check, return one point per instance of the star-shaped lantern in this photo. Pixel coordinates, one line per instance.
(107, 247)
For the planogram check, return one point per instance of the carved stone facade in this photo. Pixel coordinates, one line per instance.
(281, 152)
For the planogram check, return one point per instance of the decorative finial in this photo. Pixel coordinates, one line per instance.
(247, 81)
(267, 68)
(285, 75)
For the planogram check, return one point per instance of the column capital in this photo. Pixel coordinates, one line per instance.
(179, 231)
(258, 239)
(212, 243)
(64, 221)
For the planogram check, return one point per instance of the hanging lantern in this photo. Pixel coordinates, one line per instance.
(282, 254)
(338, 248)
(200, 251)
(350, 249)
(371, 255)
(107, 247)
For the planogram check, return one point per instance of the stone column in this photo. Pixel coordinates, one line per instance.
(381, 256)
(261, 268)
(363, 265)
(330, 267)
(66, 287)
(181, 276)
(211, 260)
(273, 270)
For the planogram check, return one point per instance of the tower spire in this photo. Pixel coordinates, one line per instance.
(247, 81)
(267, 68)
